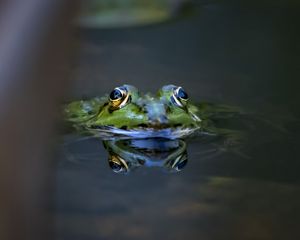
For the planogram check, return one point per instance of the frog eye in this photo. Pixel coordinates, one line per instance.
(117, 164)
(177, 164)
(179, 97)
(118, 98)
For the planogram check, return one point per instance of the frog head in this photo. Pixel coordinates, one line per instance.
(127, 109)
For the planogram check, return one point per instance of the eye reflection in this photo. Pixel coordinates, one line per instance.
(117, 164)
(177, 164)
(128, 155)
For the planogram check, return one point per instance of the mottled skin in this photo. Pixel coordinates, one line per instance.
(142, 111)
(169, 109)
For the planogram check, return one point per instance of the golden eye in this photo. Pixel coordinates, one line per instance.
(117, 164)
(118, 98)
(179, 97)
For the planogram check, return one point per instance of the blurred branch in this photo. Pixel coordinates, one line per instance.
(34, 56)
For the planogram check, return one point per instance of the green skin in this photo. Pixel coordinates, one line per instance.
(154, 112)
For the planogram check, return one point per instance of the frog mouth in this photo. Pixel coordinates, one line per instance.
(170, 132)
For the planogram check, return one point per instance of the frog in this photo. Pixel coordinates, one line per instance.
(127, 113)
(125, 156)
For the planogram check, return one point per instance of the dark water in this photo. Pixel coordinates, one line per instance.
(240, 55)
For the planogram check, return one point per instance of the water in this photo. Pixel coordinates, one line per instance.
(243, 56)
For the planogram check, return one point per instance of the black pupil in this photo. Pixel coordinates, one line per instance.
(115, 94)
(114, 166)
(181, 165)
(182, 94)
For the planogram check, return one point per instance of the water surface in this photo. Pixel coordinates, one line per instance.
(246, 56)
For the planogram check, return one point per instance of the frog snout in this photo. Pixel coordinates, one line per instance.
(157, 114)
(159, 120)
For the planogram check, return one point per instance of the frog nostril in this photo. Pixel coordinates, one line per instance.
(159, 120)
(163, 119)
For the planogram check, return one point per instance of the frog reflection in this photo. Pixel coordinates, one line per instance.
(128, 155)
